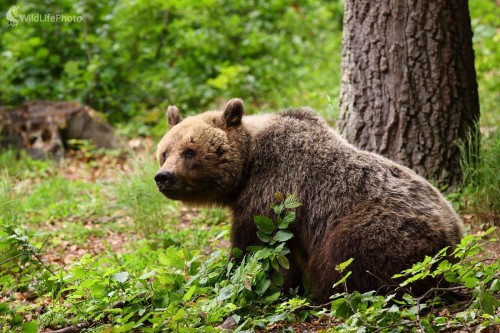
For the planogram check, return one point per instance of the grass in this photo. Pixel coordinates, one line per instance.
(480, 192)
(138, 195)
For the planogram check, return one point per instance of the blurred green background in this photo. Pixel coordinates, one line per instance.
(130, 59)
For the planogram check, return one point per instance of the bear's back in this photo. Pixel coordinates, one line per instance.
(297, 152)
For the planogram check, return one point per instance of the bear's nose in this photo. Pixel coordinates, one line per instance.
(164, 178)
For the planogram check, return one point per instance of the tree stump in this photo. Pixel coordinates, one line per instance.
(43, 129)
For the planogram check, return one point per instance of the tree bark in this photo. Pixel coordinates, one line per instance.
(409, 88)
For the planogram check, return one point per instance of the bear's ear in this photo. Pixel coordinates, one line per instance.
(173, 116)
(233, 112)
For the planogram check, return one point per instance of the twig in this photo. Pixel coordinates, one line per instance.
(430, 291)
(395, 325)
(419, 320)
(42, 263)
(427, 294)
(73, 329)
(14, 257)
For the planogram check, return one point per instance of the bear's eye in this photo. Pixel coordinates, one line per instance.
(189, 153)
(219, 151)
(163, 158)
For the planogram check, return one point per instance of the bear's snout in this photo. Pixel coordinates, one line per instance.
(164, 179)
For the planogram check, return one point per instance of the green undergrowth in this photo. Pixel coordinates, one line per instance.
(480, 192)
(175, 275)
(160, 221)
(132, 59)
(138, 194)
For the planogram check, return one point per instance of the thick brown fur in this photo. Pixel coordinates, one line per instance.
(355, 204)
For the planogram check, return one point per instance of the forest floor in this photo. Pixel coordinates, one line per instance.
(100, 224)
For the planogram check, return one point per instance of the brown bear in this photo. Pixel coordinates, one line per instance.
(355, 204)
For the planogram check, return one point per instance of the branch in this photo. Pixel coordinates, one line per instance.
(430, 291)
(14, 257)
(73, 329)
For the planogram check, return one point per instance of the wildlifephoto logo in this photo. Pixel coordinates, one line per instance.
(11, 16)
(14, 18)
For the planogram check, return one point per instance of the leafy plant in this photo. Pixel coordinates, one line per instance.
(19, 259)
(181, 289)
(474, 280)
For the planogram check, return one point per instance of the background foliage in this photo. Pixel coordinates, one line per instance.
(131, 56)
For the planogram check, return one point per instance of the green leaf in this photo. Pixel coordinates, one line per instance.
(342, 266)
(273, 297)
(275, 264)
(262, 285)
(283, 261)
(277, 317)
(189, 294)
(4, 308)
(147, 275)
(450, 276)
(277, 209)
(225, 293)
(120, 277)
(35, 41)
(277, 278)
(291, 202)
(262, 253)
(264, 224)
(16, 320)
(179, 314)
(172, 258)
(253, 268)
(488, 303)
(470, 282)
(303, 315)
(194, 267)
(282, 236)
(254, 248)
(42, 53)
(495, 286)
(287, 220)
(342, 280)
(266, 238)
(30, 327)
(237, 253)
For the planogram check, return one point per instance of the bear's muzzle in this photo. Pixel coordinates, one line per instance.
(164, 180)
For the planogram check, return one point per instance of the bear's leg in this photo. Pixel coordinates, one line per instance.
(293, 276)
(381, 243)
(244, 234)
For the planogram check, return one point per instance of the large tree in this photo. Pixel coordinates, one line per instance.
(409, 89)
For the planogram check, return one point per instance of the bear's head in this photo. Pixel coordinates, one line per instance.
(203, 158)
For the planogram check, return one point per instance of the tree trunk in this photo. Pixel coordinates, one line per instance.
(409, 88)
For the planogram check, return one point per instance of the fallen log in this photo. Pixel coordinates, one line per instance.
(43, 128)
